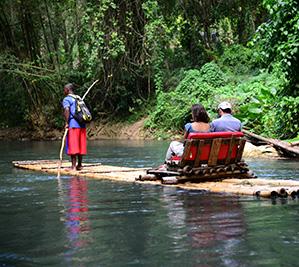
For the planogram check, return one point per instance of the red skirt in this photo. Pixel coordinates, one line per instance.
(76, 141)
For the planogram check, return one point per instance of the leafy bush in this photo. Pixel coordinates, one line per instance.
(287, 114)
(171, 111)
(30, 95)
(12, 102)
(264, 110)
(212, 75)
(256, 101)
(257, 110)
(277, 41)
(173, 108)
(237, 59)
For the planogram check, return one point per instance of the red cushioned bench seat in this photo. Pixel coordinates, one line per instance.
(217, 148)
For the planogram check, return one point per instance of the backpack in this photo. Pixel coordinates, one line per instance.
(82, 113)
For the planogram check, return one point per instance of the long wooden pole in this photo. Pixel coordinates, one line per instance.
(284, 147)
(296, 143)
(61, 151)
(89, 89)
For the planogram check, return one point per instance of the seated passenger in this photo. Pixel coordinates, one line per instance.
(200, 124)
(226, 122)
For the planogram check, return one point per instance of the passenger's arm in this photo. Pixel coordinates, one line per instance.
(186, 135)
(212, 127)
(187, 130)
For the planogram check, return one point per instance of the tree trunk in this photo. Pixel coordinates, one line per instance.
(53, 38)
(6, 32)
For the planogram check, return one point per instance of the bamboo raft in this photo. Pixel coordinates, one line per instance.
(245, 186)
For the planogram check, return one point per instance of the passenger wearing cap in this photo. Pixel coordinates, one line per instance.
(227, 122)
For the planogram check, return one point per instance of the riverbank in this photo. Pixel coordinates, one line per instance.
(116, 130)
(95, 131)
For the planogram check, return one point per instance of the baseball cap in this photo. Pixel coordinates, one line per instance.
(224, 105)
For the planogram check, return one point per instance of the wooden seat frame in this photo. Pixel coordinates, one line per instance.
(206, 156)
(213, 149)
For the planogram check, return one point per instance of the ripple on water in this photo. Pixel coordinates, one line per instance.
(83, 222)
(13, 258)
(14, 189)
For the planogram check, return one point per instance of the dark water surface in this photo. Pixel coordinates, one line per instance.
(71, 221)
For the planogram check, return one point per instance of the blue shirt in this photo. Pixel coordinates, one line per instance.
(226, 123)
(189, 129)
(70, 102)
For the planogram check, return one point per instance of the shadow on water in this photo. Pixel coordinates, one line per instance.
(75, 221)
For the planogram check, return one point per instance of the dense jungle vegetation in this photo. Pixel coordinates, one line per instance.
(153, 58)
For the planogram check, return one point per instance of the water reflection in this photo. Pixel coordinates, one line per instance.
(104, 223)
(76, 215)
(206, 222)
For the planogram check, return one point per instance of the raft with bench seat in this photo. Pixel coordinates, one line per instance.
(251, 186)
(210, 162)
(206, 156)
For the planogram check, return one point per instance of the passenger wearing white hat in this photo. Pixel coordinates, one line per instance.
(224, 105)
(227, 122)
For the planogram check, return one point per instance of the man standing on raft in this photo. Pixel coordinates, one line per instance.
(76, 138)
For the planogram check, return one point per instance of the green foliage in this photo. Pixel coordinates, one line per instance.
(296, 139)
(150, 57)
(226, 32)
(257, 108)
(255, 100)
(277, 41)
(12, 102)
(287, 117)
(173, 108)
(211, 74)
(262, 109)
(155, 36)
(29, 96)
(237, 59)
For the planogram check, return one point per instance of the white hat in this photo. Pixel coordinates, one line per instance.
(224, 105)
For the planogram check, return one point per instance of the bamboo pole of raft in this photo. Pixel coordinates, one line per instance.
(251, 187)
(259, 181)
(237, 188)
(218, 187)
(61, 151)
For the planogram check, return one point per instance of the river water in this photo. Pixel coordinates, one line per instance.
(75, 221)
